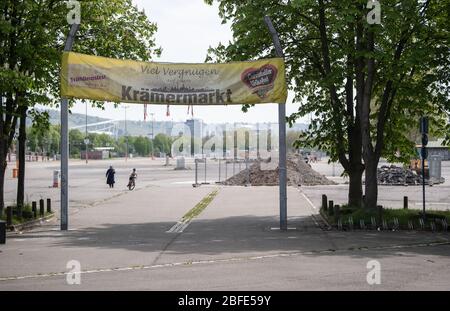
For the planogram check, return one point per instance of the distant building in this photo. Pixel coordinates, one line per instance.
(437, 147)
(196, 127)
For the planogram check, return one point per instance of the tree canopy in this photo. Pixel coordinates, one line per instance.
(366, 84)
(32, 36)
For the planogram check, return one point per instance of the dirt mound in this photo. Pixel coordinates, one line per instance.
(263, 173)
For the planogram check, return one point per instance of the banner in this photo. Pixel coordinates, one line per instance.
(106, 79)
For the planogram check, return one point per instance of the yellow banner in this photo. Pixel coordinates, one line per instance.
(106, 79)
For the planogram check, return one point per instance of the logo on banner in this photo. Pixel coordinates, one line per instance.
(87, 78)
(261, 80)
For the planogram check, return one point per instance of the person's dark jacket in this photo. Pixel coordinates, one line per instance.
(110, 176)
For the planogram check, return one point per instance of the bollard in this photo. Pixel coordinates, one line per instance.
(2, 232)
(337, 211)
(379, 213)
(405, 202)
(330, 208)
(34, 208)
(9, 216)
(196, 173)
(167, 161)
(55, 179)
(324, 202)
(49, 206)
(41, 208)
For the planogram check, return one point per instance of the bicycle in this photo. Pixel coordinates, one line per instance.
(131, 184)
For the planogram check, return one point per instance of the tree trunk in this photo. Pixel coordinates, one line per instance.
(355, 186)
(3, 165)
(371, 184)
(22, 146)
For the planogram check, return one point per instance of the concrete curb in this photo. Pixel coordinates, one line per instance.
(31, 224)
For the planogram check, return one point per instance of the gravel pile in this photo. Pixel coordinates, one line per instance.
(395, 175)
(263, 173)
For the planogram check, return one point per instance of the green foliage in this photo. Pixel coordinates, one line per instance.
(403, 216)
(43, 140)
(162, 143)
(27, 214)
(46, 140)
(415, 30)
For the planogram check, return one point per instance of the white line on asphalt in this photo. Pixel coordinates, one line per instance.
(220, 260)
(179, 227)
(308, 200)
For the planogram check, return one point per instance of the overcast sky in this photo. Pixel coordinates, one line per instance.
(186, 28)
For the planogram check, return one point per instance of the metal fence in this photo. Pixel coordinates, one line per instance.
(216, 171)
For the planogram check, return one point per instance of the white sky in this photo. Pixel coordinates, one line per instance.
(186, 28)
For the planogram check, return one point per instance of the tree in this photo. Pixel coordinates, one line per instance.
(363, 82)
(162, 143)
(142, 146)
(76, 143)
(291, 138)
(31, 40)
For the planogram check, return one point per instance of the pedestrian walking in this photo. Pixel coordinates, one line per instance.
(110, 177)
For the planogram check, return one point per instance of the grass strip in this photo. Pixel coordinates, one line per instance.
(404, 216)
(200, 206)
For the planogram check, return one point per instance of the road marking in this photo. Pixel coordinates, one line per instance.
(181, 225)
(220, 260)
(308, 200)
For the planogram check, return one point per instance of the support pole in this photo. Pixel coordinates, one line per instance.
(282, 134)
(65, 143)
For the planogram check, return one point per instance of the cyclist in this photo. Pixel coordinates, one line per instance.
(132, 178)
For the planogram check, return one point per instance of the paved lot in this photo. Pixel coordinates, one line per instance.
(120, 239)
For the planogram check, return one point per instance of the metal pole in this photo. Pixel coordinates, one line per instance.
(65, 143)
(423, 185)
(153, 134)
(86, 135)
(196, 172)
(257, 141)
(282, 135)
(234, 149)
(226, 170)
(219, 169)
(224, 147)
(248, 171)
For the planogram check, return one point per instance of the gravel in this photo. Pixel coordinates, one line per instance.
(265, 173)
